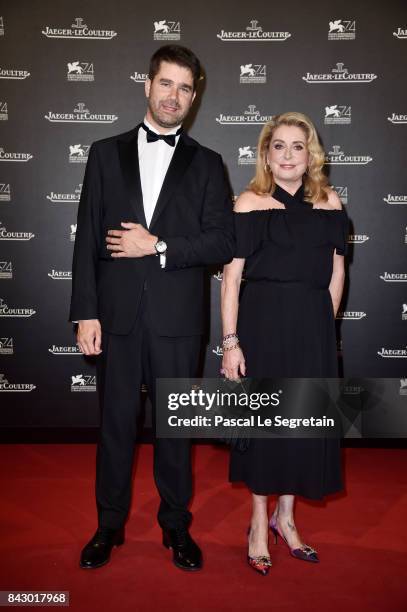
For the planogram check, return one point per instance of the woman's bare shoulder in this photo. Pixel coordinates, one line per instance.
(333, 203)
(248, 201)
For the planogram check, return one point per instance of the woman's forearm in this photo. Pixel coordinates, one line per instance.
(229, 305)
(336, 289)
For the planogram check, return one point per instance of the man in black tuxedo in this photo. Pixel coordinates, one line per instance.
(155, 209)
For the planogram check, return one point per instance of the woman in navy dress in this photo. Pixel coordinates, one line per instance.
(291, 236)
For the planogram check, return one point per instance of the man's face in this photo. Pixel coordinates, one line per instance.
(170, 95)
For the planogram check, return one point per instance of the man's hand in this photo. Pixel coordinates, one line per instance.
(89, 336)
(134, 241)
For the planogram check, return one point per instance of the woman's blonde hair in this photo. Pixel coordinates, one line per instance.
(315, 182)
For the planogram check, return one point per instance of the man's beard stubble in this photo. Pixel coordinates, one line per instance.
(177, 120)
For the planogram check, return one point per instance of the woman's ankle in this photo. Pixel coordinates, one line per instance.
(259, 517)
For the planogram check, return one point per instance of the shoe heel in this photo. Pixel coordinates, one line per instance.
(274, 532)
(166, 542)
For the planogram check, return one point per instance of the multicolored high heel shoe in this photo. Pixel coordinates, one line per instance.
(304, 552)
(260, 564)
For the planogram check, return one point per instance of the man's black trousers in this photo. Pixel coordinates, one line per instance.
(125, 362)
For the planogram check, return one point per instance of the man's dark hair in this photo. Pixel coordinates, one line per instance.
(175, 54)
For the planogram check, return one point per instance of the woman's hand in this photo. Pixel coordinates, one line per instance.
(232, 363)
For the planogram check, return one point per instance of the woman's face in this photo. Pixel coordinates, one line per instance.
(288, 154)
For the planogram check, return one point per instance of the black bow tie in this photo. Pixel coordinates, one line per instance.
(168, 138)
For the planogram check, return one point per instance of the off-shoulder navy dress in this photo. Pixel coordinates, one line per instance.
(286, 328)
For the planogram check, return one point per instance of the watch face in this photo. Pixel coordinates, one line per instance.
(161, 246)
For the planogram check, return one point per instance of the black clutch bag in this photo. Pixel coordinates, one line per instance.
(234, 436)
(235, 440)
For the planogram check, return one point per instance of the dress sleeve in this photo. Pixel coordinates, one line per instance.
(341, 233)
(250, 228)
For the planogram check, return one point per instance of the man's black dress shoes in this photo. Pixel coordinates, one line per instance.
(97, 551)
(186, 554)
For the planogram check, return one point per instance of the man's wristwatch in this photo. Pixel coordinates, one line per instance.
(161, 250)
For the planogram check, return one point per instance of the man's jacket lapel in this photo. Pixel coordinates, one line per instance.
(128, 154)
(183, 155)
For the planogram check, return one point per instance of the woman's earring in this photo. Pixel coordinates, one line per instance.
(267, 168)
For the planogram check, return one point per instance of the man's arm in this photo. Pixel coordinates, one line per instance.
(215, 243)
(87, 242)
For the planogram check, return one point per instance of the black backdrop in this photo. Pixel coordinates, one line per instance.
(72, 72)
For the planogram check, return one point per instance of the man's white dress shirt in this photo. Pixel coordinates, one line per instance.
(154, 159)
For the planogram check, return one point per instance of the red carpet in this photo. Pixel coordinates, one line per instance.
(47, 513)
